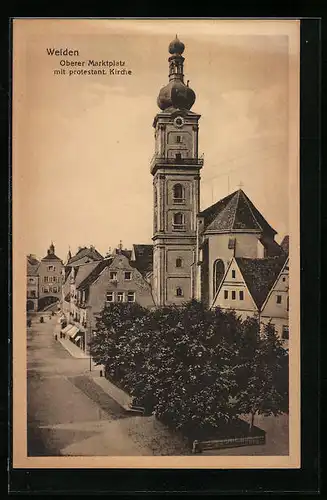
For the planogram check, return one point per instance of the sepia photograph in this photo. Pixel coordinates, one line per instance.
(156, 245)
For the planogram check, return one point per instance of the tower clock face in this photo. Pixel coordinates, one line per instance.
(179, 121)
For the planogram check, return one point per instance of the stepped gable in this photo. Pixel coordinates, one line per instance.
(260, 275)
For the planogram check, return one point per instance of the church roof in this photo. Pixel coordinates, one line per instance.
(143, 258)
(260, 275)
(235, 212)
(91, 252)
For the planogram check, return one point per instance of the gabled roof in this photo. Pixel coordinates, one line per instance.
(32, 260)
(126, 253)
(235, 213)
(50, 256)
(93, 275)
(285, 244)
(260, 275)
(143, 255)
(91, 252)
(67, 272)
(284, 269)
(32, 268)
(81, 272)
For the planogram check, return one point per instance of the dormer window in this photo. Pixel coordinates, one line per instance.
(179, 222)
(178, 193)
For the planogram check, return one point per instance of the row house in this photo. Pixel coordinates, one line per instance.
(32, 285)
(115, 278)
(258, 288)
(50, 278)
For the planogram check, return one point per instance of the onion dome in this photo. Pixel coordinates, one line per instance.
(176, 46)
(176, 94)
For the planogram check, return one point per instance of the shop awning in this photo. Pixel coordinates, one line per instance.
(73, 332)
(66, 329)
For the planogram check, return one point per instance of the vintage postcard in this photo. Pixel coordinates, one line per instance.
(156, 270)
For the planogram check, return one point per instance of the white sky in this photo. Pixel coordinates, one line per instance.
(84, 143)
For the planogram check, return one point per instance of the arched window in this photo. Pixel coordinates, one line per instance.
(179, 221)
(179, 292)
(179, 262)
(218, 274)
(178, 193)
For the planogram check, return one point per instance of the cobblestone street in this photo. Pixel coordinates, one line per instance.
(70, 414)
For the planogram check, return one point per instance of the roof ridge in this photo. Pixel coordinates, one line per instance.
(249, 206)
(238, 198)
(217, 202)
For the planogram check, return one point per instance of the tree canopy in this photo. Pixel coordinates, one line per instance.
(192, 367)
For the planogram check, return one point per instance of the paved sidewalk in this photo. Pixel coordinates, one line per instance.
(118, 395)
(73, 350)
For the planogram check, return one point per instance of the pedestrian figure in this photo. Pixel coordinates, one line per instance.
(56, 337)
(41, 319)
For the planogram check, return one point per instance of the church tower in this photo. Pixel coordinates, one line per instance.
(175, 167)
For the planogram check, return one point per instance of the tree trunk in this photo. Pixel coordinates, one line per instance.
(251, 422)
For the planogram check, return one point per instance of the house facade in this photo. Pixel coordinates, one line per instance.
(275, 309)
(32, 284)
(91, 286)
(257, 288)
(50, 278)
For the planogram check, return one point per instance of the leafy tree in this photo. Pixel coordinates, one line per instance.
(195, 368)
(262, 375)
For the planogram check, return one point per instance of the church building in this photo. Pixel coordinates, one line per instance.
(192, 249)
